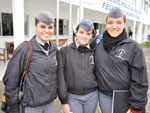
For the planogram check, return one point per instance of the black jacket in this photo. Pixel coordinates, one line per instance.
(75, 72)
(41, 86)
(123, 68)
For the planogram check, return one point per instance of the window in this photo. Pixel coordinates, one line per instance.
(6, 24)
(63, 26)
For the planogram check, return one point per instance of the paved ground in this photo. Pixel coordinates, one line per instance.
(58, 106)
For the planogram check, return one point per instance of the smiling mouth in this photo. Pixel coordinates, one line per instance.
(114, 31)
(83, 40)
(46, 35)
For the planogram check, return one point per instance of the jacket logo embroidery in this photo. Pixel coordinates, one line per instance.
(91, 59)
(121, 54)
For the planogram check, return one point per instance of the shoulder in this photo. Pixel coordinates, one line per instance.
(21, 47)
(63, 49)
(68, 49)
(135, 44)
(132, 46)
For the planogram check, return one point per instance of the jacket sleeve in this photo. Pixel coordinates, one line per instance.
(139, 81)
(11, 78)
(62, 87)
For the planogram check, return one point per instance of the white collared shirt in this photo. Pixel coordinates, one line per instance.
(42, 43)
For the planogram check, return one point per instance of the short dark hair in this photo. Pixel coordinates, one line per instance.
(36, 21)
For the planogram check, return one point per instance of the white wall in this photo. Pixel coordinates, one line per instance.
(95, 16)
(6, 6)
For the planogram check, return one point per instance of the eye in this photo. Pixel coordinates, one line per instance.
(43, 26)
(51, 27)
(119, 22)
(110, 22)
(81, 32)
(89, 34)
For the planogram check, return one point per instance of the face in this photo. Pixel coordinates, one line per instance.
(44, 31)
(83, 37)
(115, 26)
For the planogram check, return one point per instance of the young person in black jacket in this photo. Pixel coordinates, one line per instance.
(120, 65)
(41, 86)
(77, 85)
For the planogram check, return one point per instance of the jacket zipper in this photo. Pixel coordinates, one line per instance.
(83, 70)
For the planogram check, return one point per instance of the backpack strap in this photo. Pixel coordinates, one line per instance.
(28, 59)
(97, 41)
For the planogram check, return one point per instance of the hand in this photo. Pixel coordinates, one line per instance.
(128, 111)
(68, 42)
(66, 108)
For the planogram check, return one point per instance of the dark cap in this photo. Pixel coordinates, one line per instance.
(45, 17)
(86, 24)
(115, 12)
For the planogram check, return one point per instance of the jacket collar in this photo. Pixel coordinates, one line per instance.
(74, 46)
(37, 47)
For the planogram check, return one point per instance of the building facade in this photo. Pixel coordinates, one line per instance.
(17, 17)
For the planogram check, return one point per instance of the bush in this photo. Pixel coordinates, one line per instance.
(147, 43)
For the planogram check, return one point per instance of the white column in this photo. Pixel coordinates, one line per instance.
(145, 33)
(57, 24)
(138, 3)
(18, 21)
(134, 2)
(134, 28)
(78, 15)
(70, 21)
(81, 10)
(139, 32)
